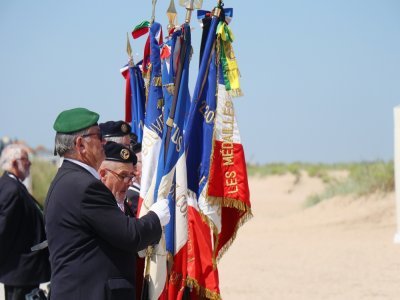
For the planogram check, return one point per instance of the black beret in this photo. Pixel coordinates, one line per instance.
(118, 128)
(120, 153)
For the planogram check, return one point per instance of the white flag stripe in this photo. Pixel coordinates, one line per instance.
(213, 212)
(158, 269)
(226, 125)
(181, 222)
(151, 145)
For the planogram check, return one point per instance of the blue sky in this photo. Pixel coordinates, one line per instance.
(320, 78)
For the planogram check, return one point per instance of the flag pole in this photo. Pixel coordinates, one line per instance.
(170, 120)
(153, 11)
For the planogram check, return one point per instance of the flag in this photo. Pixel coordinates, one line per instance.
(171, 174)
(138, 101)
(228, 183)
(128, 93)
(204, 219)
(151, 144)
(218, 199)
(134, 98)
(153, 129)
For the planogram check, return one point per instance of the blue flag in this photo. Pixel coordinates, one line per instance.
(138, 101)
(175, 109)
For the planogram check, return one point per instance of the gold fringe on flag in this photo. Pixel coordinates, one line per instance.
(202, 291)
(146, 79)
(247, 216)
(170, 88)
(236, 204)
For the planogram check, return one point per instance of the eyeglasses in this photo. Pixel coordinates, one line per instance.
(98, 134)
(125, 178)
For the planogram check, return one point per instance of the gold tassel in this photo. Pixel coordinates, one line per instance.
(160, 103)
(236, 92)
(170, 88)
(157, 81)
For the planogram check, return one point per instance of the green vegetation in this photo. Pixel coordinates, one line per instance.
(42, 173)
(363, 178)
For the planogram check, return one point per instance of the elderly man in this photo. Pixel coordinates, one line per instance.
(92, 244)
(21, 227)
(116, 131)
(117, 172)
(120, 132)
(134, 190)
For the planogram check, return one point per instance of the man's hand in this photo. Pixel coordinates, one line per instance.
(162, 211)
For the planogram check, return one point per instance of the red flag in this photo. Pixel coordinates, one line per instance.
(128, 93)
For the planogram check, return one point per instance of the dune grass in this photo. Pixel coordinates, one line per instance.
(42, 173)
(363, 178)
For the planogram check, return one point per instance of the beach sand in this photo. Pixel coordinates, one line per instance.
(341, 248)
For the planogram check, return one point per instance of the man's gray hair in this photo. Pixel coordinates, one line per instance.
(9, 154)
(65, 142)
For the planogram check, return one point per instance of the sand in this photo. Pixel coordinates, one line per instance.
(341, 248)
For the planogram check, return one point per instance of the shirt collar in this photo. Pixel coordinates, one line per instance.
(13, 176)
(90, 169)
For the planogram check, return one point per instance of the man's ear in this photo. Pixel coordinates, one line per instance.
(79, 145)
(102, 172)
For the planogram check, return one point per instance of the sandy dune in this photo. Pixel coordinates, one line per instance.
(340, 249)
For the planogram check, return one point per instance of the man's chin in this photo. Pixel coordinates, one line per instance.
(120, 197)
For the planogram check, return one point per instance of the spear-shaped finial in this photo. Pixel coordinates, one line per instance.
(129, 50)
(153, 12)
(190, 5)
(171, 14)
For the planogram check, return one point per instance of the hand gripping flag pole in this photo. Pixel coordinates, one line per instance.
(171, 171)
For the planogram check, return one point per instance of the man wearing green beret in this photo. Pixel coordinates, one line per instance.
(92, 243)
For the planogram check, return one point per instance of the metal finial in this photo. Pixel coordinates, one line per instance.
(129, 49)
(190, 5)
(171, 14)
(153, 13)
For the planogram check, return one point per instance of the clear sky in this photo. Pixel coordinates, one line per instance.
(320, 78)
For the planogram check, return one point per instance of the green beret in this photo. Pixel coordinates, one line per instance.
(75, 119)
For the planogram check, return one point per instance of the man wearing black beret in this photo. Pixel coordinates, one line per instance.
(117, 173)
(116, 131)
(92, 244)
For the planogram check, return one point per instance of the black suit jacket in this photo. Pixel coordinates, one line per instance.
(21, 227)
(92, 244)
